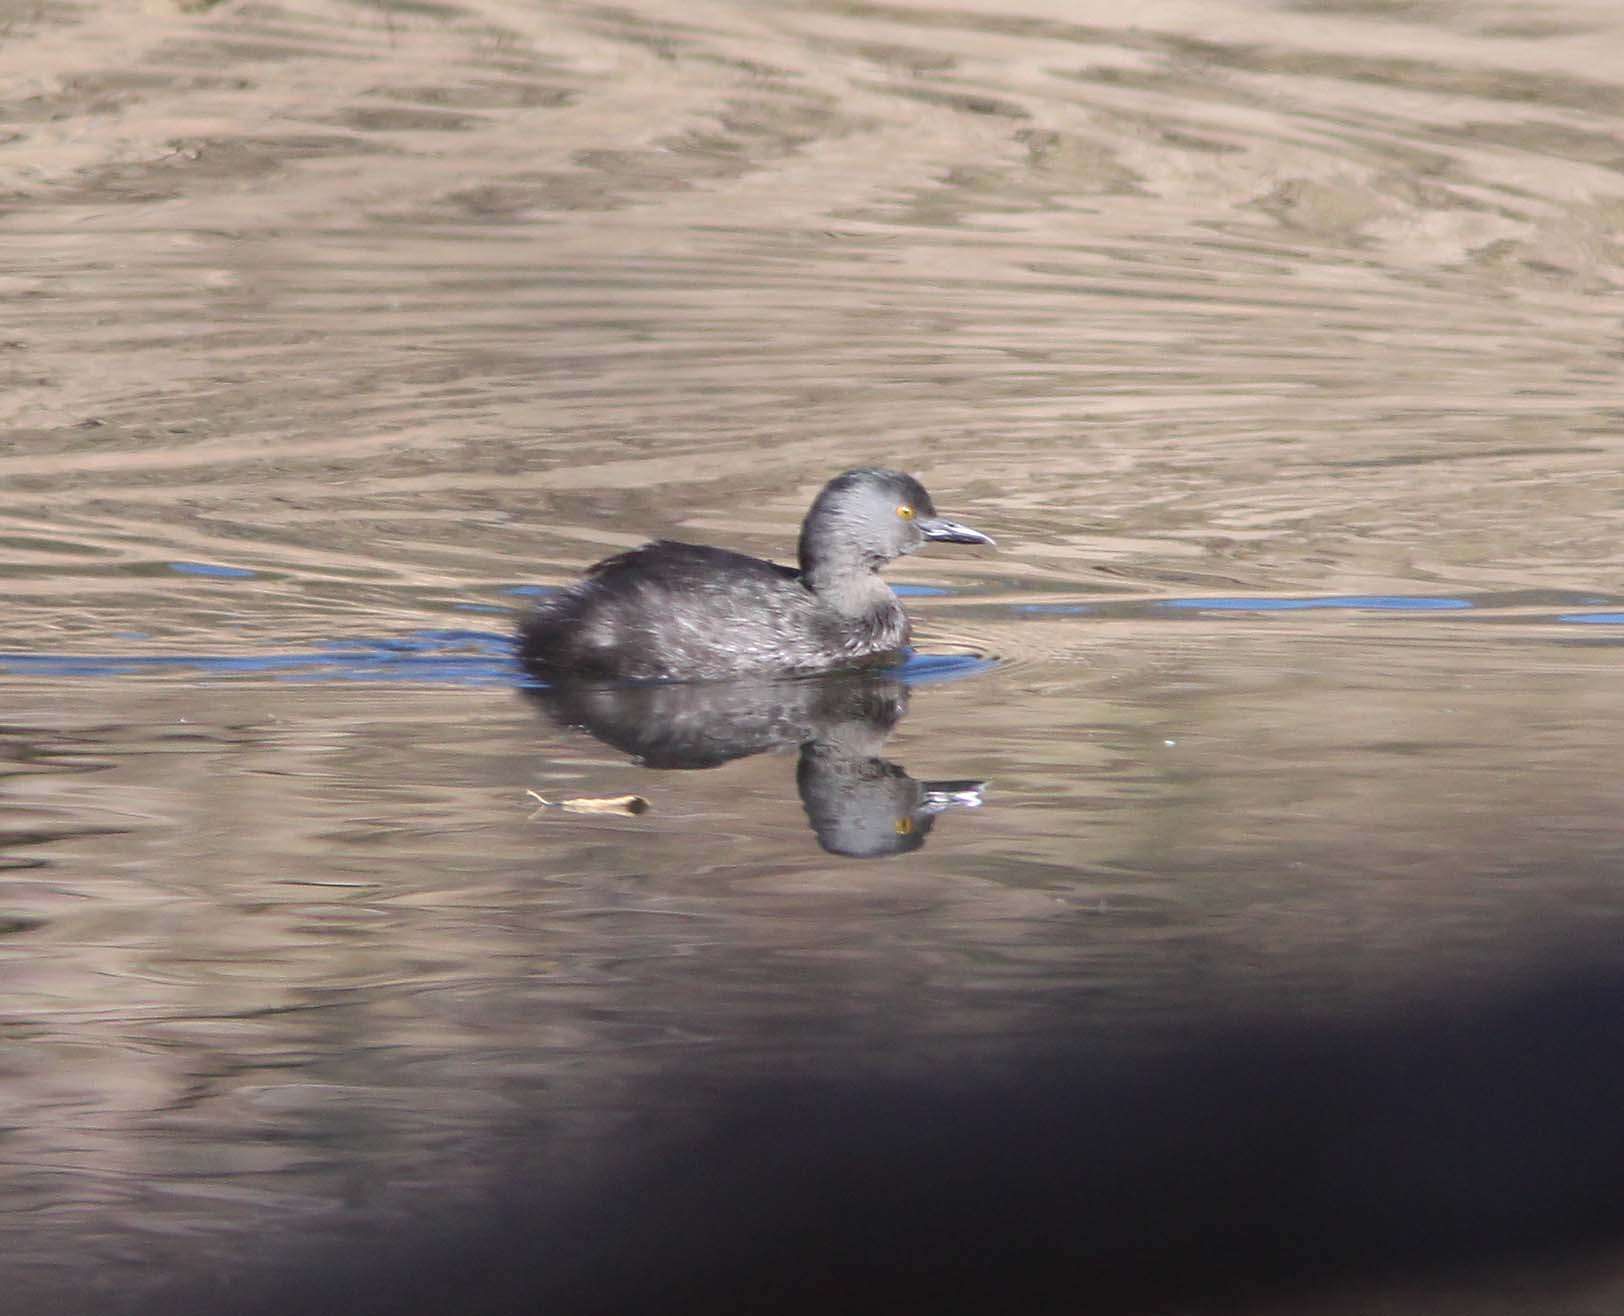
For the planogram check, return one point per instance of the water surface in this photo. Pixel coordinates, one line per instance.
(1277, 344)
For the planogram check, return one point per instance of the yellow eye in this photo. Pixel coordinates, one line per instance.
(904, 826)
(905, 512)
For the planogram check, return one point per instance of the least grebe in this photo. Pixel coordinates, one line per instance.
(686, 612)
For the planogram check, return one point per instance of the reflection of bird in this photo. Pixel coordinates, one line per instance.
(858, 803)
(686, 612)
(865, 807)
(678, 725)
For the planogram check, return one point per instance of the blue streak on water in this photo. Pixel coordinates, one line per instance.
(1377, 602)
(920, 591)
(1594, 618)
(432, 657)
(1055, 609)
(211, 569)
(930, 668)
(436, 657)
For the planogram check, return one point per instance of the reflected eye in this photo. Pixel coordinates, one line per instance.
(906, 512)
(904, 825)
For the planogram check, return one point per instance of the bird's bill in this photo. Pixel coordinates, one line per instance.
(951, 532)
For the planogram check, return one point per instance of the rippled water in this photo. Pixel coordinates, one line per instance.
(1277, 344)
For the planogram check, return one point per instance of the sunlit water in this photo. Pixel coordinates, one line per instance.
(1278, 346)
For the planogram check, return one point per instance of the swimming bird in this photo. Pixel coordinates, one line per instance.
(688, 612)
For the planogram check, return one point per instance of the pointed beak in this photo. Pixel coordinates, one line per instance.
(951, 532)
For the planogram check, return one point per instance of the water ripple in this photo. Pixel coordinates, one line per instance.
(442, 657)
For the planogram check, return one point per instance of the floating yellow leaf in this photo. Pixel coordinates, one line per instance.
(626, 804)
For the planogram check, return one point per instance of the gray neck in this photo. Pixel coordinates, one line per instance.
(849, 585)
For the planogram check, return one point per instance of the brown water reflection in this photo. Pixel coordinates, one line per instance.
(334, 323)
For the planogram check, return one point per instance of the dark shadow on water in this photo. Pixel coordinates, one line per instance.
(1252, 1161)
(859, 804)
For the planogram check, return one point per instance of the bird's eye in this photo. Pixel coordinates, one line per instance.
(904, 826)
(905, 512)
